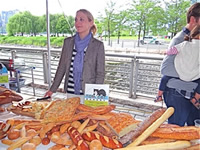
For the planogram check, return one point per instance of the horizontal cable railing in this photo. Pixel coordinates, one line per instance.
(127, 73)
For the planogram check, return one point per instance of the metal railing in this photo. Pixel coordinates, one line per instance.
(126, 73)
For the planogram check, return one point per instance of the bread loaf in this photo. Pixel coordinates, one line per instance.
(147, 122)
(106, 141)
(7, 96)
(178, 133)
(122, 123)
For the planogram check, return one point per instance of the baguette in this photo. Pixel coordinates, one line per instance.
(77, 139)
(179, 133)
(153, 127)
(156, 140)
(162, 146)
(106, 141)
(194, 147)
(147, 122)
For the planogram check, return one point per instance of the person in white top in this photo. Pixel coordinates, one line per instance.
(187, 64)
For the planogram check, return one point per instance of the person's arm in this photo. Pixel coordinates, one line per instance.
(172, 51)
(100, 68)
(60, 72)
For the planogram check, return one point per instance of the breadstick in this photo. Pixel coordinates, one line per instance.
(64, 127)
(2, 97)
(7, 141)
(83, 125)
(18, 143)
(153, 127)
(90, 128)
(160, 146)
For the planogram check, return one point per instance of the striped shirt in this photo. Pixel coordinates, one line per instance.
(70, 86)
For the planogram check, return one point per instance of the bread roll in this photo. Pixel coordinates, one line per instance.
(36, 140)
(31, 132)
(28, 146)
(45, 141)
(13, 134)
(76, 124)
(95, 145)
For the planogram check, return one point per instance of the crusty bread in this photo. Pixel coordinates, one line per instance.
(7, 96)
(178, 133)
(122, 123)
(60, 110)
(194, 147)
(154, 140)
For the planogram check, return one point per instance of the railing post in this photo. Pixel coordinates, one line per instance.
(122, 44)
(136, 78)
(131, 79)
(13, 55)
(33, 83)
(45, 66)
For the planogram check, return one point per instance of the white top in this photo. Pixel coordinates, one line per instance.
(187, 61)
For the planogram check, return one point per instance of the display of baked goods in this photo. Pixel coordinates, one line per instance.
(28, 107)
(67, 124)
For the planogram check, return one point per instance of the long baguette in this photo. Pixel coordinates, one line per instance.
(147, 122)
(161, 146)
(178, 133)
(194, 147)
(153, 127)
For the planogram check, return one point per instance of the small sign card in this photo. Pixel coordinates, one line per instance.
(4, 76)
(96, 95)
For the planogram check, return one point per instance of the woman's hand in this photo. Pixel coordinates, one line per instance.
(48, 93)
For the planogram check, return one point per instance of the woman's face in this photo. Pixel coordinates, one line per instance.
(82, 23)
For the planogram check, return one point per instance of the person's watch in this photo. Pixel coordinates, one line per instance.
(187, 31)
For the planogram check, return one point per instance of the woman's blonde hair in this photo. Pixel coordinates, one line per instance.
(90, 17)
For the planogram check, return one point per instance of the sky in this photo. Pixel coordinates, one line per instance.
(69, 7)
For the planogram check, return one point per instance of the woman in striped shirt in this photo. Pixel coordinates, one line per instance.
(82, 58)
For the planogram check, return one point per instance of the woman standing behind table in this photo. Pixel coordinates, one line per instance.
(82, 58)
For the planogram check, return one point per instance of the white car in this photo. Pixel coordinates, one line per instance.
(150, 40)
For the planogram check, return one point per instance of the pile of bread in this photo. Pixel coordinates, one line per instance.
(7, 96)
(85, 128)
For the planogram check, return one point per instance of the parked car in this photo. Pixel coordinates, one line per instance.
(150, 40)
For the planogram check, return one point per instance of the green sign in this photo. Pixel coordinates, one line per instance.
(3, 78)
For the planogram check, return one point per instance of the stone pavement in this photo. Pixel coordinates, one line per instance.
(139, 108)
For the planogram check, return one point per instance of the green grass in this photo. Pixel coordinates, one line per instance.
(42, 41)
(37, 41)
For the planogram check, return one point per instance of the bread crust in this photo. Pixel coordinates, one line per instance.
(178, 133)
(60, 110)
(7, 96)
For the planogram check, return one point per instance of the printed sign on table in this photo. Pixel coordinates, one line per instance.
(4, 76)
(96, 94)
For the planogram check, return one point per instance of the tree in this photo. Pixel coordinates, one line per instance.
(53, 23)
(20, 23)
(109, 19)
(36, 25)
(142, 13)
(62, 25)
(176, 15)
(120, 20)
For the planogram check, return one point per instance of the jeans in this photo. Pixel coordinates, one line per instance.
(185, 111)
(163, 82)
(198, 87)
